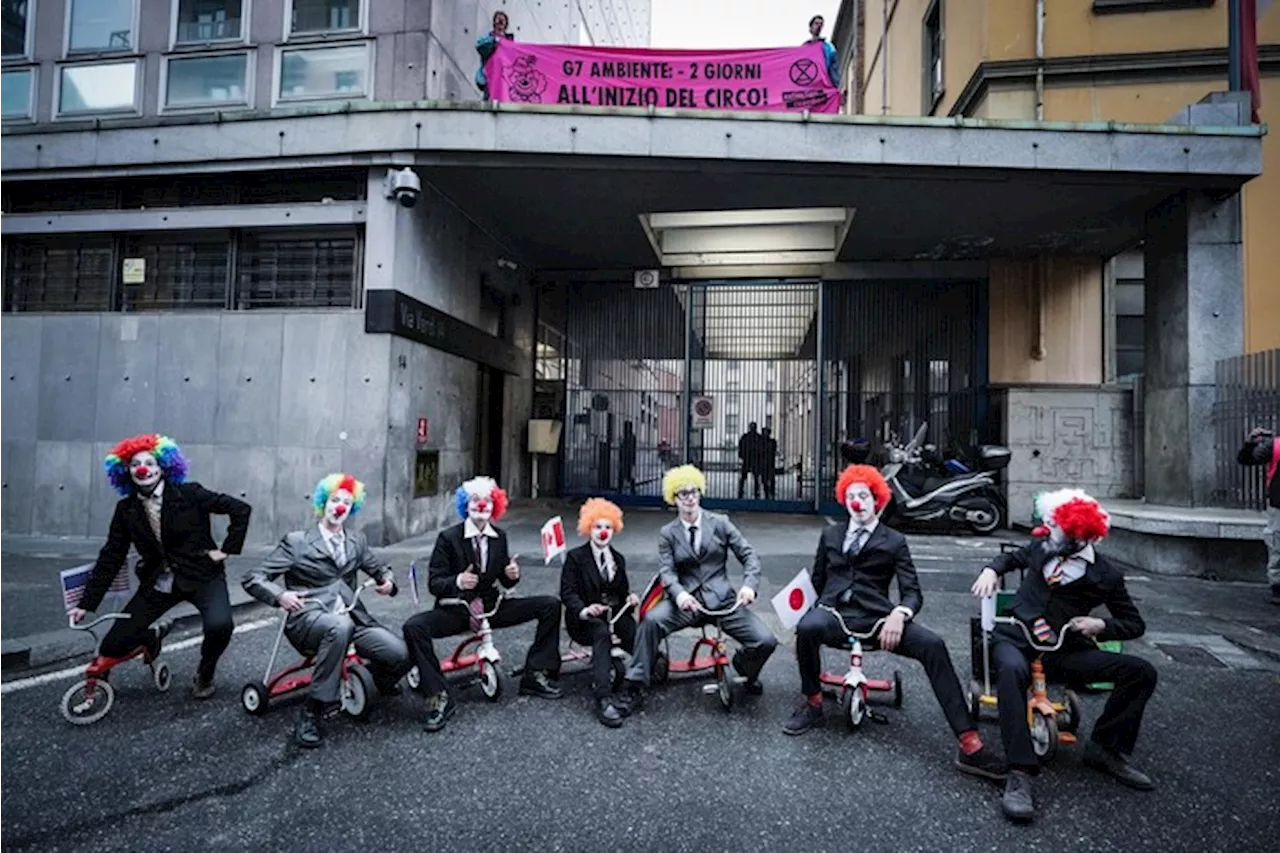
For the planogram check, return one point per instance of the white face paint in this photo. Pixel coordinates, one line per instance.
(144, 470)
(602, 531)
(860, 503)
(338, 507)
(479, 510)
(688, 501)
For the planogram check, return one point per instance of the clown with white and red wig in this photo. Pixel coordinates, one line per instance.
(311, 572)
(165, 519)
(1064, 580)
(854, 567)
(471, 565)
(595, 589)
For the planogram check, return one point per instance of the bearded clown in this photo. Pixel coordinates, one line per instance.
(314, 572)
(471, 565)
(595, 589)
(166, 520)
(855, 566)
(1065, 579)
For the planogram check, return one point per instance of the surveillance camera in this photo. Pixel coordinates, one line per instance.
(404, 186)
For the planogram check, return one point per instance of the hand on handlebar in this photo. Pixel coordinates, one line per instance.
(75, 614)
(1090, 626)
(633, 600)
(685, 601)
(386, 587)
(290, 602)
(986, 584)
(891, 632)
(746, 595)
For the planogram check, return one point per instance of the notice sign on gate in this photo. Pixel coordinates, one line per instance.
(704, 410)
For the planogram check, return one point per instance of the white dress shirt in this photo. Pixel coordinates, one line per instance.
(470, 532)
(606, 574)
(870, 527)
(1059, 571)
(336, 542)
(697, 537)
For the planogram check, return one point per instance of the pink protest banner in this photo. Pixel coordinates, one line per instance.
(787, 79)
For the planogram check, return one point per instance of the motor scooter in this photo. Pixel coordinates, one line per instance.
(935, 497)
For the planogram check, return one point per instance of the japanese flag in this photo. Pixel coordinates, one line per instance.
(552, 539)
(795, 599)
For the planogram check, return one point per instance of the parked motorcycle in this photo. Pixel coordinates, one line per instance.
(939, 496)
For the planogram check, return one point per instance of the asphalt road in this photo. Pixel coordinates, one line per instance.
(165, 772)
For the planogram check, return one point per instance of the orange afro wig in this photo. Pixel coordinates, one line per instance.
(864, 474)
(596, 509)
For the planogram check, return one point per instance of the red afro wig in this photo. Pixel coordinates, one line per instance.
(864, 474)
(1082, 520)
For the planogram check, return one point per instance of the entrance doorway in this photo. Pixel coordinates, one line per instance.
(490, 384)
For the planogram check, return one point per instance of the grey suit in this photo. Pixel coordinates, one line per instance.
(705, 576)
(302, 562)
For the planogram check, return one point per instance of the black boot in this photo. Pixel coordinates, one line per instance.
(159, 630)
(539, 683)
(630, 698)
(306, 732)
(607, 714)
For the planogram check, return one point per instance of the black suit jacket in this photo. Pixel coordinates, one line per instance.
(581, 584)
(865, 576)
(1102, 584)
(184, 526)
(453, 553)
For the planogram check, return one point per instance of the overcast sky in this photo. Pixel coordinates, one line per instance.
(737, 23)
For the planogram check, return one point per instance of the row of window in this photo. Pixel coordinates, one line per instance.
(171, 272)
(111, 26)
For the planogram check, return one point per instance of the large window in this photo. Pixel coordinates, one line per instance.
(285, 270)
(102, 88)
(933, 51)
(16, 87)
(324, 72)
(16, 16)
(1130, 338)
(206, 21)
(97, 26)
(72, 273)
(203, 81)
(315, 17)
(177, 272)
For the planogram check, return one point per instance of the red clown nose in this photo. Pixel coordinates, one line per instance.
(339, 510)
(1040, 532)
(141, 471)
(856, 506)
(604, 535)
(482, 506)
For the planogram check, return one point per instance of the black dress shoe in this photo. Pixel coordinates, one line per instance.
(1100, 758)
(440, 707)
(753, 685)
(983, 763)
(538, 683)
(159, 630)
(805, 717)
(607, 714)
(306, 733)
(630, 699)
(1017, 803)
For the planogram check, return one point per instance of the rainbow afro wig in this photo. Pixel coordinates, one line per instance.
(338, 482)
(173, 465)
(480, 487)
(596, 509)
(864, 474)
(682, 477)
(1079, 516)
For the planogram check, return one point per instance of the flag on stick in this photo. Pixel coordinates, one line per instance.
(74, 581)
(795, 599)
(553, 543)
(413, 581)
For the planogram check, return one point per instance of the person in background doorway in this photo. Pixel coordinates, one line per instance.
(750, 449)
(1261, 447)
(627, 459)
(768, 462)
(816, 23)
(487, 44)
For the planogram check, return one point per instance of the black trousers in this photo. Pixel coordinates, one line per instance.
(819, 628)
(149, 604)
(1117, 728)
(453, 619)
(594, 632)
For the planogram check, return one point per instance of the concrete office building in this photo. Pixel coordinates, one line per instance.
(248, 280)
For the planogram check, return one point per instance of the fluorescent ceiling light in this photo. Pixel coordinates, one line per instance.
(700, 238)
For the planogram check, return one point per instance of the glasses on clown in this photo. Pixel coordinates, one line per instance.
(687, 494)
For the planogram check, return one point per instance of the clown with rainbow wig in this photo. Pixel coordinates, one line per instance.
(309, 572)
(594, 588)
(166, 520)
(1064, 580)
(471, 564)
(853, 569)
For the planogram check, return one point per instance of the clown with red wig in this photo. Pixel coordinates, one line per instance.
(310, 572)
(1065, 579)
(593, 586)
(852, 571)
(166, 519)
(469, 562)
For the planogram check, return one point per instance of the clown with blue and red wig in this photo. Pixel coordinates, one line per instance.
(471, 564)
(310, 572)
(852, 571)
(166, 520)
(1065, 579)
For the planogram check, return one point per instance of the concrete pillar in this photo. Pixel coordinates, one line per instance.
(1194, 272)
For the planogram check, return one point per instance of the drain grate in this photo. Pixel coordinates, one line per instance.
(1191, 655)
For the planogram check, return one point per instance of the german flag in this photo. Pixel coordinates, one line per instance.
(653, 593)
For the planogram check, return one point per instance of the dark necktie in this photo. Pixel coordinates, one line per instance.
(479, 556)
(693, 539)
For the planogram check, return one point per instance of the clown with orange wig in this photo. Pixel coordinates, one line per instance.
(470, 564)
(1065, 579)
(310, 572)
(166, 519)
(852, 571)
(594, 587)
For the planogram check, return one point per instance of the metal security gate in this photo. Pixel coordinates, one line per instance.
(756, 382)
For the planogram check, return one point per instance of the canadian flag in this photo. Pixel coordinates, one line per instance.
(795, 599)
(552, 539)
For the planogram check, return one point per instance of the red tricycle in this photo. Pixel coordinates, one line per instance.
(853, 686)
(357, 682)
(717, 660)
(577, 653)
(89, 700)
(484, 660)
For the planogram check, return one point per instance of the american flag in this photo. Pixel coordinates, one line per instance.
(74, 581)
